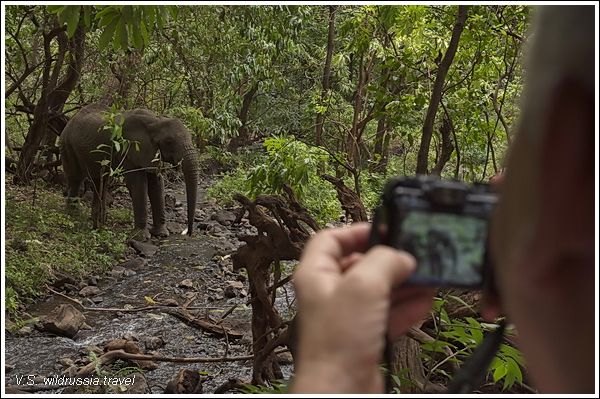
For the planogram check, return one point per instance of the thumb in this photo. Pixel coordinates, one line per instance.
(383, 267)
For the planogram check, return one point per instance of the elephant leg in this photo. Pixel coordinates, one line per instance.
(99, 186)
(73, 175)
(138, 190)
(156, 192)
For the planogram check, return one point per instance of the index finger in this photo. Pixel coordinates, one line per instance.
(335, 244)
(320, 264)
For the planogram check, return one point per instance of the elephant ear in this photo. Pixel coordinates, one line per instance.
(161, 129)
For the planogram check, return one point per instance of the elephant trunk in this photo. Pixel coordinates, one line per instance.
(190, 175)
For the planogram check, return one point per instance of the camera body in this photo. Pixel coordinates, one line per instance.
(443, 224)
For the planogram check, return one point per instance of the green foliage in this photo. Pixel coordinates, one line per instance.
(42, 239)
(125, 26)
(288, 162)
(277, 387)
(462, 336)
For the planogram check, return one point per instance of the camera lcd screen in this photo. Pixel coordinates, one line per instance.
(449, 248)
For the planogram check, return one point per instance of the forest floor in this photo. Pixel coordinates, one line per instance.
(176, 275)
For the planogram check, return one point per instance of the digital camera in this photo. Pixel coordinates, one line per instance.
(443, 224)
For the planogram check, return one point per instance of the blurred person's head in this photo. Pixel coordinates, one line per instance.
(543, 232)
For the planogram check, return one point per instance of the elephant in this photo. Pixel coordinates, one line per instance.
(85, 134)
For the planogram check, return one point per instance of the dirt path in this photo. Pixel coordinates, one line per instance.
(195, 271)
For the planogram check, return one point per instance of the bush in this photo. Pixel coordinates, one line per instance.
(287, 161)
(41, 240)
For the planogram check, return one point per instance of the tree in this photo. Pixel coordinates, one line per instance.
(436, 95)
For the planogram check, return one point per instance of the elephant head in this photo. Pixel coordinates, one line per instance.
(175, 144)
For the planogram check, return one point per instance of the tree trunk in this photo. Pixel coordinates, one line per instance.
(438, 85)
(446, 147)
(47, 113)
(326, 76)
(243, 132)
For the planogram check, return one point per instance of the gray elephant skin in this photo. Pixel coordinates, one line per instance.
(85, 133)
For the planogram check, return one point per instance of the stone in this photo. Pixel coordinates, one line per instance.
(152, 343)
(143, 248)
(128, 346)
(66, 362)
(25, 330)
(285, 358)
(64, 320)
(89, 291)
(139, 385)
(224, 217)
(238, 285)
(174, 227)
(97, 299)
(117, 272)
(131, 336)
(230, 292)
(185, 382)
(135, 263)
(93, 280)
(187, 283)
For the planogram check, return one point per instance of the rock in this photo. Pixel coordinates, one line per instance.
(185, 382)
(178, 204)
(131, 336)
(170, 201)
(129, 273)
(187, 283)
(71, 287)
(93, 280)
(64, 320)
(216, 229)
(224, 217)
(143, 248)
(230, 292)
(93, 349)
(139, 385)
(89, 291)
(174, 227)
(117, 272)
(25, 330)
(135, 263)
(62, 279)
(85, 326)
(71, 371)
(8, 367)
(125, 344)
(203, 225)
(241, 277)
(238, 285)
(97, 299)
(285, 358)
(66, 362)
(243, 293)
(152, 343)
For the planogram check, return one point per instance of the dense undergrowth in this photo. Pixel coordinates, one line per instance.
(43, 240)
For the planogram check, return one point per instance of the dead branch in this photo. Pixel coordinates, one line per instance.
(111, 356)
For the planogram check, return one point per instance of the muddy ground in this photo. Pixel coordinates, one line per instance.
(192, 271)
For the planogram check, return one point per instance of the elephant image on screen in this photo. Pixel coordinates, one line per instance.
(449, 248)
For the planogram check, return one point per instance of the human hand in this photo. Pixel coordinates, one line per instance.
(346, 307)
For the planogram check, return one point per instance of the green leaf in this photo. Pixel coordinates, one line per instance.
(138, 41)
(55, 9)
(120, 38)
(70, 15)
(500, 372)
(108, 33)
(87, 16)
